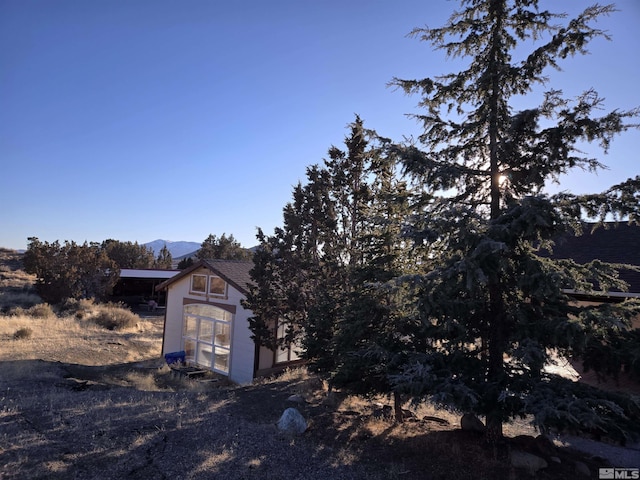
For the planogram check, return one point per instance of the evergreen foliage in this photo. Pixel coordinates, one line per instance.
(164, 260)
(436, 281)
(223, 248)
(321, 275)
(185, 263)
(70, 270)
(128, 254)
(493, 308)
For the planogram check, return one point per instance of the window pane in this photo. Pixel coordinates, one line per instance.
(208, 311)
(222, 360)
(216, 286)
(198, 283)
(190, 326)
(282, 355)
(206, 331)
(294, 355)
(223, 334)
(190, 350)
(204, 354)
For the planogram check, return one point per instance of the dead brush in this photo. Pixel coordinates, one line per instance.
(115, 317)
(42, 310)
(23, 333)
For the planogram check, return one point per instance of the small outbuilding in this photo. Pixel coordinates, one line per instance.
(205, 318)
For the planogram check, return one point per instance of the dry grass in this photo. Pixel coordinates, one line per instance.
(16, 286)
(68, 339)
(80, 401)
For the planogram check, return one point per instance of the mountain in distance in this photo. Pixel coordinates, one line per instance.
(177, 249)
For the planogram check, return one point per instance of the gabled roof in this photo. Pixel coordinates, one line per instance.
(614, 243)
(234, 272)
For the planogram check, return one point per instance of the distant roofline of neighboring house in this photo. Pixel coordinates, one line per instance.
(613, 242)
(147, 273)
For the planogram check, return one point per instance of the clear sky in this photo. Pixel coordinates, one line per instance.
(145, 119)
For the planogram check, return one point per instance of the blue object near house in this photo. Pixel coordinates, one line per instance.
(175, 357)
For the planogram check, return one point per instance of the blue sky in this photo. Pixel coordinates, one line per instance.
(145, 119)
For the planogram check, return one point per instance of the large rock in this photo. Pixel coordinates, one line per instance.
(531, 463)
(292, 422)
(471, 423)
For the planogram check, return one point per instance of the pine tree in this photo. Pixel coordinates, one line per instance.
(164, 260)
(493, 308)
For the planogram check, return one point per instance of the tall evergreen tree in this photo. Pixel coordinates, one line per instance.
(164, 260)
(494, 309)
(323, 274)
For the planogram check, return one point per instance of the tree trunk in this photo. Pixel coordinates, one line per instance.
(397, 407)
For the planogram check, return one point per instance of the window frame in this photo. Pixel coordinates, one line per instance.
(216, 294)
(191, 284)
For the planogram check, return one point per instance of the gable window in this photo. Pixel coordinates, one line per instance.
(206, 336)
(199, 283)
(217, 286)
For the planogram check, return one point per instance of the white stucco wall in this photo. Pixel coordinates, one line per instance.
(242, 347)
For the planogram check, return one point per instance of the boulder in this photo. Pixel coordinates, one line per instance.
(296, 399)
(292, 422)
(527, 461)
(471, 423)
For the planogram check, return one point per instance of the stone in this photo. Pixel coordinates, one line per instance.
(555, 460)
(292, 422)
(582, 469)
(528, 461)
(471, 423)
(296, 399)
(441, 421)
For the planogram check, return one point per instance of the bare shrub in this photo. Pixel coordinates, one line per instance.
(115, 317)
(23, 333)
(16, 312)
(81, 309)
(42, 310)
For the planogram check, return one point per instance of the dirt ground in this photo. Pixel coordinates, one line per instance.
(78, 401)
(90, 416)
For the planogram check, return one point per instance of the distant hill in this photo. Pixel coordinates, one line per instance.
(177, 249)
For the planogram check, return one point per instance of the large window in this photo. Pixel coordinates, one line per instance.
(206, 336)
